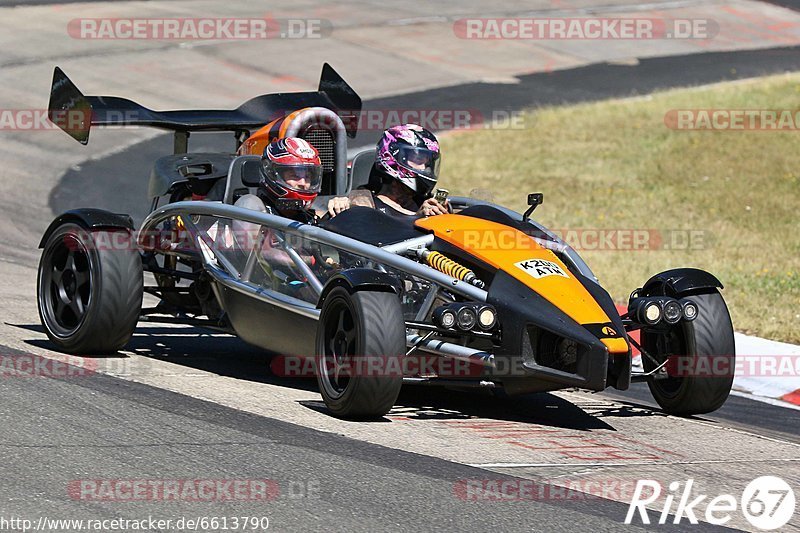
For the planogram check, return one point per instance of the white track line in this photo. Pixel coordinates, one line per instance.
(643, 463)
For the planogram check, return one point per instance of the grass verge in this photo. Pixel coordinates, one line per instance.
(724, 201)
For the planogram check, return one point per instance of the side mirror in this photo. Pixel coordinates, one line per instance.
(534, 200)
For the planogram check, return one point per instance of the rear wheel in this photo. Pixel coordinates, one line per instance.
(89, 289)
(360, 345)
(702, 356)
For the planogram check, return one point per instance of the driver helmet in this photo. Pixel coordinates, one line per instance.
(291, 169)
(410, 154)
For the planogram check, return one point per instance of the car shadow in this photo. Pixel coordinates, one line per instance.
(546, 409)
(198, 349)
(227, 355)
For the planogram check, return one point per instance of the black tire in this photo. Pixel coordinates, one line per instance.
(89, 289)
(710, 335)
(353, 330)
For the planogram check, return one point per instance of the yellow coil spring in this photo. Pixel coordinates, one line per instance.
(449, 267)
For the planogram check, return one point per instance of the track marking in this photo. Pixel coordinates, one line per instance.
(764, 399)
(643, 463)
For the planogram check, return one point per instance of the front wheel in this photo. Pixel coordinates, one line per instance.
(702, 357)
(361, 341)
(89, 289)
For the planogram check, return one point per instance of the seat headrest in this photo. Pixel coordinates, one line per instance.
(251, 173)
(361, 169)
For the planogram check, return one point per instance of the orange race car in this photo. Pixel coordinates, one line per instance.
(482, 297)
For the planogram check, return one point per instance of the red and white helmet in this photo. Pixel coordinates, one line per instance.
(292, 170)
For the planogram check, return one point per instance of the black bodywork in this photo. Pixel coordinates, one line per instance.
(90, 219)
(680, 282)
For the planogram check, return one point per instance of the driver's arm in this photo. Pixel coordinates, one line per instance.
(359, 197)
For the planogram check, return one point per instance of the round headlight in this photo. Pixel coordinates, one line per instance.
(467, 318)
(447, 319)
(652, 312)
(487, 317)
(672, 312)
(689, 310)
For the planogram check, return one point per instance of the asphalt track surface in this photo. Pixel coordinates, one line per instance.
(328, 482)
(232, 419)
(791, 4)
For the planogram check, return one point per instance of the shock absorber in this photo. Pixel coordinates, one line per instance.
(444, 264)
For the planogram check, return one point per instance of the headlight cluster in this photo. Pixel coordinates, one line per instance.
(654, 309)
(465, 316)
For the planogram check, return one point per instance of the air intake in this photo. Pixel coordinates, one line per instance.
(322, 139)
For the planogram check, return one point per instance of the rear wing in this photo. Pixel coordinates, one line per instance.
(76, 113)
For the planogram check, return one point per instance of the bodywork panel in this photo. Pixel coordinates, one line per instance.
(512, 251)
(90, 218)
(524, 314)
(172, 169)
(680, 280)
(268, 325)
